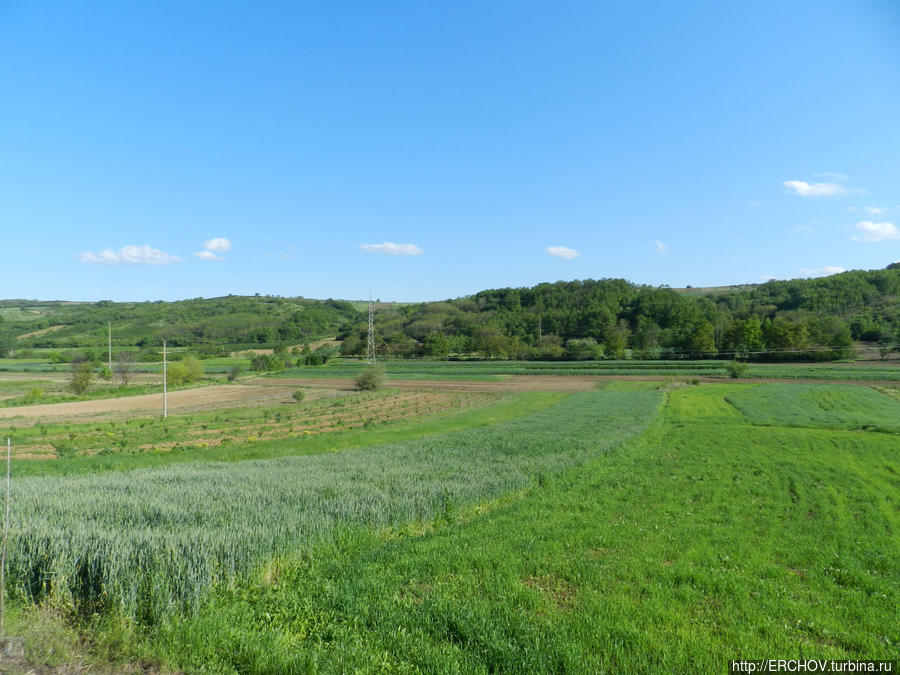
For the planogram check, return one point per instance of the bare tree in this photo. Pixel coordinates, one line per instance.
(124, 366)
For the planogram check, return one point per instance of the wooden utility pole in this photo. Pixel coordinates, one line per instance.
(165, 390)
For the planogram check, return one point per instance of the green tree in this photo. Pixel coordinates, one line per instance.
(436, 345)
(702, 340)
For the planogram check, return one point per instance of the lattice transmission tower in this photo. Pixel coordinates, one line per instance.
(370, 343)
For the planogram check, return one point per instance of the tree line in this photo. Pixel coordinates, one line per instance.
(801, 319)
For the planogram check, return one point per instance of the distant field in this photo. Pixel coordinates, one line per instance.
(489, 370)
(833, 407)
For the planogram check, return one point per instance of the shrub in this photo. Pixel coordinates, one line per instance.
(82, 374)
(370, 378)
(298, 396)
(188, 370)
(736, 369)
(234, 373)
(267, 363)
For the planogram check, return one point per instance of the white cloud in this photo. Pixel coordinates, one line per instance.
(390, 248)
(562, 252)
(661, 247)
(804, 229)
(804, 189)
(872, 233)
(130, 255)
(826, 271)
(753, 203)
(218, 245)
(208, 255)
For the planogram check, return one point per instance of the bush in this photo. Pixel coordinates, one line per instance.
(267, 363)
(234, 373)
(82, 374)
(370, 378)
(188, 370)
(106, 373)
(298, 396)
(736, 369)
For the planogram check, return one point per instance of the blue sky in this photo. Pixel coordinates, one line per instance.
(421, 150)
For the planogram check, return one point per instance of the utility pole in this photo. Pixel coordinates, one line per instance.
(109, 343)
(5, 537)
(165, 390)
(370, 343)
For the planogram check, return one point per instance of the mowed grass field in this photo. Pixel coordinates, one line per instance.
(638, 528)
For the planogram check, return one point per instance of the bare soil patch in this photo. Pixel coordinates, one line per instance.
(185, 400)
(43, 331)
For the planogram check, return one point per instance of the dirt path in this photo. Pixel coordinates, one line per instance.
(185, 400)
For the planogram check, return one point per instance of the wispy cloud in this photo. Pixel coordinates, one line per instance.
(753, 203)
(803, 229)
(832, 175)
(661, 247)
(390, 248)
(873, 233)
(804, 189)
(826, 271)
(562, 252)
(208, 255)
(871, 210)
(130, 255)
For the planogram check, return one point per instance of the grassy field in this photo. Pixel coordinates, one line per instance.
(833, 407)
(640, 528)
(705, 540)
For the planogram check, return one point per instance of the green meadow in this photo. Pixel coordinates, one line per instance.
(639, 528)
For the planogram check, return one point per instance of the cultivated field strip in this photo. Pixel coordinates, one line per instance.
(202, 430)
(831, 407)
(151, 540)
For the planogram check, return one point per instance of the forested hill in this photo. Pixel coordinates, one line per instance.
(202, 324)
(609, 318)
(802, 318)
